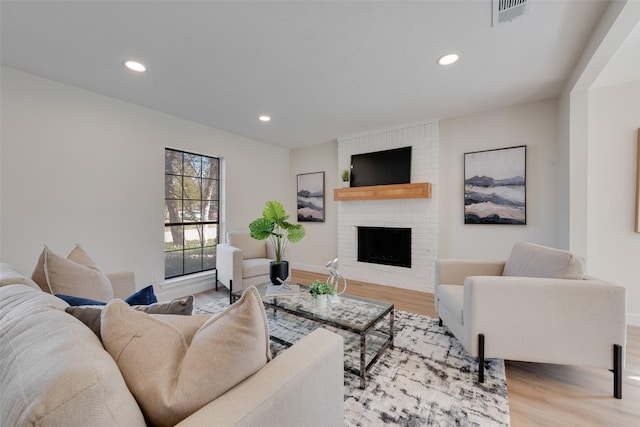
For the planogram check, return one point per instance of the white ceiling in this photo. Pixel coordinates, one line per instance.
(321, 69)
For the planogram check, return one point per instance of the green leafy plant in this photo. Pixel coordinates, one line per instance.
(321, 288)
(345, 175)
(273, 225)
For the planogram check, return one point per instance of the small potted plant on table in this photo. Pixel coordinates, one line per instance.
(321, 291)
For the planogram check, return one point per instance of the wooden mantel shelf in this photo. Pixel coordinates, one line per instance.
(416, 190)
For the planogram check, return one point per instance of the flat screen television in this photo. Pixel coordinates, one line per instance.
(381, 167)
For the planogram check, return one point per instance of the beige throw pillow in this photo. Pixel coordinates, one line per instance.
(77, 254)
(175, 365)
(76, 275)
(91, 315)
(38, 275)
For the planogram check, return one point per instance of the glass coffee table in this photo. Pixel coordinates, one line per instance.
(365, 324)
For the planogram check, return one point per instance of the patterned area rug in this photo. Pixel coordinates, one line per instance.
(427, 379)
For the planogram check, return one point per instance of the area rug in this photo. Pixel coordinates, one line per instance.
(427, 379)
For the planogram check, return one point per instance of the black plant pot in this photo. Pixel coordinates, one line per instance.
(278, 271)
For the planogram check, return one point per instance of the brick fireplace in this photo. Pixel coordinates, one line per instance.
(419, 215)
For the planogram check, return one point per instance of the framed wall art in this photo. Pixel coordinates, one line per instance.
(495, 186)
(310, 197)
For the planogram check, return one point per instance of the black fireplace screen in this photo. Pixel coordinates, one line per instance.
(385, 245)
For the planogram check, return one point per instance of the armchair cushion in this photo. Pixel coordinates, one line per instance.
(251, 248)
(255, 267)
(530, 260)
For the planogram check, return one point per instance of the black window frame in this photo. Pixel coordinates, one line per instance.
(185, 212)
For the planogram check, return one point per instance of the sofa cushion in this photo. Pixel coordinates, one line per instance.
(10, 276)
(54, 369)
(174, 365)
(75, 275)
(144, 296)
(251, 248)
(530, 260)
(91, 315)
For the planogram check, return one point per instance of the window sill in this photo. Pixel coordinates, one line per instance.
(186, 285)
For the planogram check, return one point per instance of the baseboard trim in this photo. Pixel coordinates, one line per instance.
(310, 268)
(633, 319)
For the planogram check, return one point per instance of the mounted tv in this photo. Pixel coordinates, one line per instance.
(381, 167)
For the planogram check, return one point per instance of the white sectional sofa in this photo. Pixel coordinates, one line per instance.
(54, 371)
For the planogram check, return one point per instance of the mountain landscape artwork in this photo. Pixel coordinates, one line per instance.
(310, 197)
(495, 186)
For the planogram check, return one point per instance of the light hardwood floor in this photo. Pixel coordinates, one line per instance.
(539, 394)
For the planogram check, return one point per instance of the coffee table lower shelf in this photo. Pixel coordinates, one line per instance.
(380, 342)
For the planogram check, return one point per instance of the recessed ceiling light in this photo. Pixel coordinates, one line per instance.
(135, 66)
(264, 118)
(448, 59)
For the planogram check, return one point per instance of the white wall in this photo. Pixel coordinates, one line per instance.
(321, 241)
(533, 125)
(80, 167)
(613, 247)
(585, 156)
(76, 166)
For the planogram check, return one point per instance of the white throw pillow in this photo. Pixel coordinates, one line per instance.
(175, 365)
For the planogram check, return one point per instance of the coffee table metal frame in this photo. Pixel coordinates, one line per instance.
(299, 305)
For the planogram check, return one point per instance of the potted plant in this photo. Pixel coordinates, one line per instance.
(273, 225)
(321, 291)
(345, 175)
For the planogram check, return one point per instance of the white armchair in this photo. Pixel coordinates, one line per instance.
(535, 307)
(123, 283)
(243, 261)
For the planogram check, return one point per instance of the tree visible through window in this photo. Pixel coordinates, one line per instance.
(192, 194)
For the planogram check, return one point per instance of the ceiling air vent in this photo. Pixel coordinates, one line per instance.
(508, 10)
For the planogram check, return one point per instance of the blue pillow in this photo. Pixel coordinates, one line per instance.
(144, 296)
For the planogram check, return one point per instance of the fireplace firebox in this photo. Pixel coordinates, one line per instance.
(385, 245)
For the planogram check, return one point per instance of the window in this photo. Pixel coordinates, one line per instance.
(192, 194)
